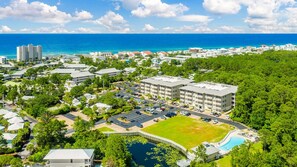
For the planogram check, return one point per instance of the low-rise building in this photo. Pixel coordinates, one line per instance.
(63, 71)
(19, 74)
(209, 96)
(75, 66)
(102, 106)
(129, 70)
(163, 86)
(15, 126)
(70, 157)
(79, 77)
(2, 60)
(211, 151)
(9, 137)
(108, 71)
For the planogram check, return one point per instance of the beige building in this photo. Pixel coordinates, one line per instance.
(209, 96)
(163, 86)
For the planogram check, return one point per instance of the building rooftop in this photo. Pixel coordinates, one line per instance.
(15, 120)
(22, 72)
(66, 65)
(107, 71)
(167, 81)
(3, 111)
(216, 89)
(102, 105)
(81, 74)
(70, 154)
(9, 136)
(63, 71)
(15, 126)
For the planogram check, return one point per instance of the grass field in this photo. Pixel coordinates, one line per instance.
(11, 83)
(189, 132)
(224, 162)
(105, 129)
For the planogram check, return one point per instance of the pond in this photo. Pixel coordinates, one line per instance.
(139, 156)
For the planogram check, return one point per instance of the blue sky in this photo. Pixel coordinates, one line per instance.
(148, 16)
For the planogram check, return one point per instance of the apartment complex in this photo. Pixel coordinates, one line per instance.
(29, 53)
(209, 96)
(163, 86)
(108, 71)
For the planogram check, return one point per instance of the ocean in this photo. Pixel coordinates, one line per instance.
(55, 44)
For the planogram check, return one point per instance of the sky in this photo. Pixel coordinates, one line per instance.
(148, 16)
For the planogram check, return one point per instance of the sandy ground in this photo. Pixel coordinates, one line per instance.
(68, 121)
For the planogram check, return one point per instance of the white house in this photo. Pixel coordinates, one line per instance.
(103, 106)
(70, 158)
(15, 120)
(3, 111)
(15, 126)
(10, 115)
(9, 138)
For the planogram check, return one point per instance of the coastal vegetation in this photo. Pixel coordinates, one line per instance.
(266, 100)
(188, 132)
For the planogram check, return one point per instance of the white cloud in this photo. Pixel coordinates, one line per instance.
(84, 30)
(222, 6)
(194, 18)
(113, 22)
(157, 8)
(35, 11)
(83, 15)
(5, 29)
(168, 28)
(149, 28)
(262, 15)
(230, 29)
(40, 12)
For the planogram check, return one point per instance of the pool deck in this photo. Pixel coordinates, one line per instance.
(234, 133)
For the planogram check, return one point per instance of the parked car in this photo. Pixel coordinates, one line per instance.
(170, 114)
(138, 112)
(156, 120)
(206, 119)
(159, 110)
(185, 113)
(215, 121)
(139, 125)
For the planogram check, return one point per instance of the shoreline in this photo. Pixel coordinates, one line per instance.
(154, 50)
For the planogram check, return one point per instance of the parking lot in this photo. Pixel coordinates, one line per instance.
(136, 117)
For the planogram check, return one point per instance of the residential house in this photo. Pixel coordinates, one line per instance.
(70, 158)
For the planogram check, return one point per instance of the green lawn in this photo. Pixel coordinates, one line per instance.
(224, 162)
(11, 83)
(189, 132)
(105, 129)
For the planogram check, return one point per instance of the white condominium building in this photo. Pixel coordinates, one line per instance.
(29, 53)
(2, 60)
(163, 86)
(209, 96)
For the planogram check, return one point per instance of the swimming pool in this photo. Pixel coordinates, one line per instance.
(234, 141)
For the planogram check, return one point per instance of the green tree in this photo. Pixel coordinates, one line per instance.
(164, 153)
(116, 152)
(49, 133)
